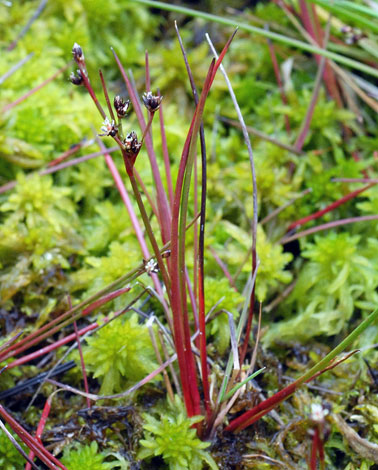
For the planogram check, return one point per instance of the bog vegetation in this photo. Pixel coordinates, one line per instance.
(173, 293)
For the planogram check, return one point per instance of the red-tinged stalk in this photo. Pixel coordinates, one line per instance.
(148, 88)
(201, 244)
(317, 449)
(82, 362)
(85, 80)
(321, 451)
(134, 220)
(314, 449)
(147, 70)
(223, 267)
(329, 208)
(39, 450)
(313, 28)
(17, 446)
(71, 151)
(68, 317)
(40, 428)
(167, 163)
(147, 225)
(329, 76)
(126, 200)
(179, 213)
(9, 106)
(163, 206)
(146, 193)
(10, 341)
(329, 225)
(51, 347)
(12, 184)
(305, 126)
(306, 20)
(185, 357)
(277, 74)
(253, 415)
(106, 95)
(254, 198)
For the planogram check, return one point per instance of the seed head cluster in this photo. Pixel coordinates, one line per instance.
(129, 143)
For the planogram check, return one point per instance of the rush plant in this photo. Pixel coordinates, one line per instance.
(167, 260)
(172, 218)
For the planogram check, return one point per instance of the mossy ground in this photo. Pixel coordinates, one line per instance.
(69, 232)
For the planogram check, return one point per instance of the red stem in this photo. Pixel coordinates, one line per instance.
(51, 347)
(167, 163)
(40, 428)
(85, 378)
(163, 206)
(88, 86)
(33, 338)
(12, 184)
(31, 442)
(314, 449)
(223, 267)
(34, 90)
(329, 225)
(75, 148)
(147, 67)
(277, 74)
(106, 95)
(329, 208)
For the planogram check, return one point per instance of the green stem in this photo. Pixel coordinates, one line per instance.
(239, 385)
(147, 224)
(339, 348)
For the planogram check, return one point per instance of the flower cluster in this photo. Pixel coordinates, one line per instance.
(151, 102)
(129, 144)
(108, 128)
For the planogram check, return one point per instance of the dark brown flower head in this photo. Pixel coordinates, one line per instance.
(76, 78)
(151, 102)
(121, 106)
(131, 144)
(109, 129)
(77, 53)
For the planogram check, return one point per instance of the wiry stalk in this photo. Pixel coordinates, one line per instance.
(201, 244)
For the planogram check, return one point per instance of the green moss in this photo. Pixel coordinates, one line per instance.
(336, 278)
(10, 458)
(87, 456)
(120, 354)
(169, 434)
(37, 235)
